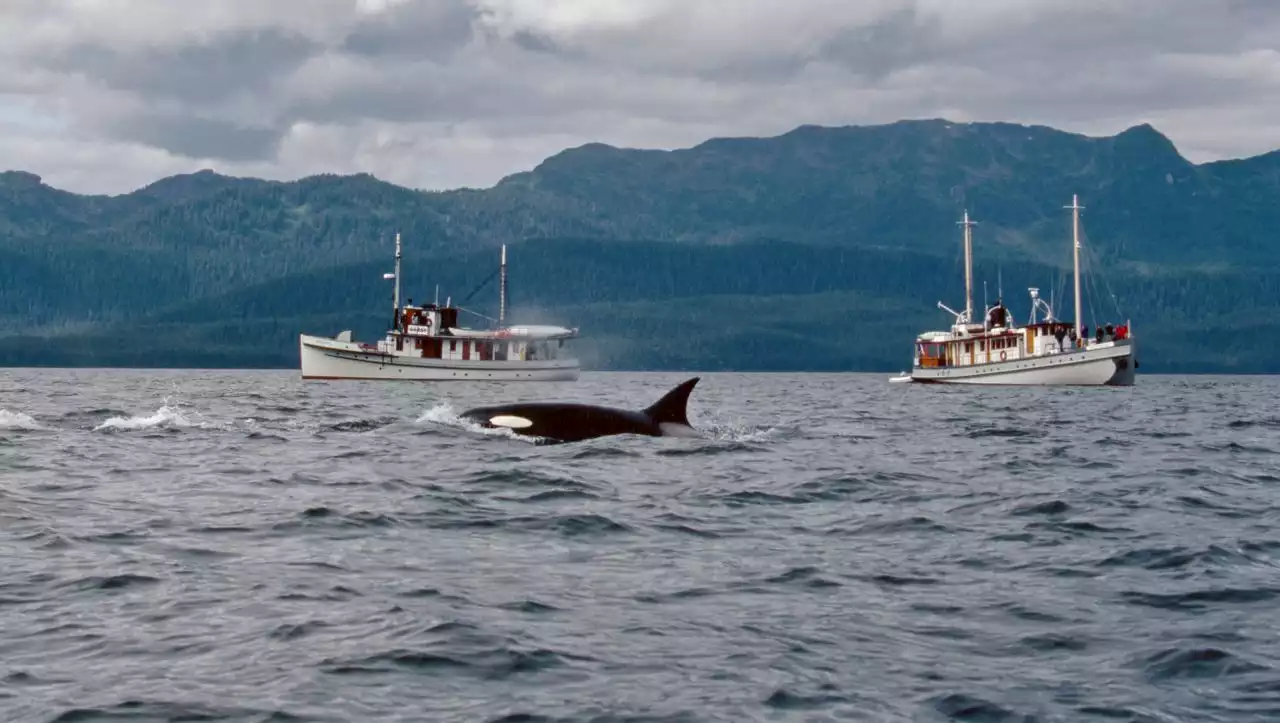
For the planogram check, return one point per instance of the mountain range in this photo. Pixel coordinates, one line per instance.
(818, 249)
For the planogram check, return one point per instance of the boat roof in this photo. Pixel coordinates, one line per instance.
(516, 332)
(972, 333)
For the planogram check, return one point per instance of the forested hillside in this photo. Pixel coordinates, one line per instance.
(823, 248)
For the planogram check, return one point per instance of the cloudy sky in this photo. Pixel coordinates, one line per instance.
(105, 96)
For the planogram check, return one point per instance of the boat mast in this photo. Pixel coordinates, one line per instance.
(396, 300)
(502, 288)
(1075, 255)
(968, 267)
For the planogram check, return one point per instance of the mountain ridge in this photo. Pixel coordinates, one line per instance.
(1145, 128)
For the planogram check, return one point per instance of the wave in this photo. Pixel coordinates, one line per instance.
(784, 699)
(1214, 663)
(168, 416)
(1266, 422)
(361, 425)
(585, 525)
(168, 710)
(1177, 557)
(92, 417)
(164, 417)
(518, 478)
(112, 582)
(1199, 599)
(961, 706)
(735, 432)
(18, 421)
(458, 648)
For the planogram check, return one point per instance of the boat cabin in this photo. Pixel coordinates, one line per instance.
(970, 345)
(421, 320)
(432, 332)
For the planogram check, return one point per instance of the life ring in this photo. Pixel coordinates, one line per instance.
(1003, 356)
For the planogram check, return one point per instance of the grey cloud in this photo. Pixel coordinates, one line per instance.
(1057, 49)
(422, 91)
(535, 43)
(227, 64)
(901, 40)
(433, 30)
(1071, 67)
(196, 137)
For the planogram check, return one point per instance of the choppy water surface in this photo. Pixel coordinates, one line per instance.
(246, 546)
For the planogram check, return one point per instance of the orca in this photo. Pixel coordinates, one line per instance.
(557, 422)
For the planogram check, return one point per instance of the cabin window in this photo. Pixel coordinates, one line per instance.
(453, 345)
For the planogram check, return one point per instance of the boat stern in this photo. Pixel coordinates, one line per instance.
(1126, 366)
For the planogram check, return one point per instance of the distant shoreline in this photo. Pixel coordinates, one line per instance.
(689, 370)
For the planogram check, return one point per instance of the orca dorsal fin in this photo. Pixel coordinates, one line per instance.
(673, 407)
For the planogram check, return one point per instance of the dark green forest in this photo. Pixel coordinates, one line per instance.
(820, 249)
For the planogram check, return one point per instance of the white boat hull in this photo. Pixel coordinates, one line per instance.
(1111, 365)
(324, 358)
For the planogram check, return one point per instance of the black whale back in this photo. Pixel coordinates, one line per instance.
(572, 422)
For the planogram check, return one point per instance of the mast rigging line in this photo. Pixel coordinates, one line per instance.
(480, 286)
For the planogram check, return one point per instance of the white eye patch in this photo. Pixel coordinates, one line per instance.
(510, 421)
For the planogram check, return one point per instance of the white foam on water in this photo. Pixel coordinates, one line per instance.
(726, 431)
(168, 415)
(18, 421)
(440, 414)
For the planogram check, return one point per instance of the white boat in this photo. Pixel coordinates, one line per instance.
(1044, 352)
(426, 343)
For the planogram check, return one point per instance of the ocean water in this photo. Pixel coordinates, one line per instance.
(245, 546)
